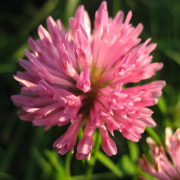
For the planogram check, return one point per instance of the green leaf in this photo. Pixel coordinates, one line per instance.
(106, 161)
(153, 134)
(162, 105)
(133, 150)
(172, 54)
(53, 159)
(68, 165)
(127, 165)
(47, 169)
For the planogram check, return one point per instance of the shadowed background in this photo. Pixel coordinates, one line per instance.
(25, 151)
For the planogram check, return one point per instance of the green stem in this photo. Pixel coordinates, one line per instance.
(92, 161)
(67, 166)
(153, 134)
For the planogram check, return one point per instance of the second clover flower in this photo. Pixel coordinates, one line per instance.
(163, 170)
(77, 77)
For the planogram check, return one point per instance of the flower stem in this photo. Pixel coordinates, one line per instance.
(153, 134)
(92, 161)
(67, 166)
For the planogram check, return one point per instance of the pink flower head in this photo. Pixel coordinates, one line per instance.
(163, 168)
(78, 77)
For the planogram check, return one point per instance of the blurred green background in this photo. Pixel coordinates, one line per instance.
(25, 151)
